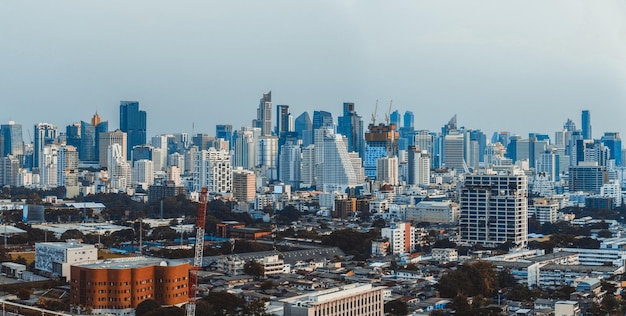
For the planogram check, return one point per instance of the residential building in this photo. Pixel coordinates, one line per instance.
(264, 115)
(212, 170)
(401, 237)
(244, 185)
(433, 212)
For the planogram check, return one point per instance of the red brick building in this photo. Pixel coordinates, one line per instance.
(117, 286)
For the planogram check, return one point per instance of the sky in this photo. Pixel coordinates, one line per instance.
(519, 66)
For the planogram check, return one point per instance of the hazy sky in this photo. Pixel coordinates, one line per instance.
(522, 66)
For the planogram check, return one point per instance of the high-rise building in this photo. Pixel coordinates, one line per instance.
(267, 156)
(67, 170)
(108, 139)
(587, 177)
(120, 171)
(494, 208)
(304, 128)
(264, 115)
(213, 170)
(380, 141)
(133, 122)
(244, 185)
(244, 147)
(143, 172)
(387, 170)
(401, 237)
(322, 119)
(89, 149)
(454, 151)
(336, 170)
(284, 120)
(409, 120)
(48, 165)
(9, 168)
(351, 126)
(419, 166)
(307, 170)
(45, 134)
(290, 165)
(225, 132)
(613, 141)
(12, 138)
(72, 135)
(586, 124)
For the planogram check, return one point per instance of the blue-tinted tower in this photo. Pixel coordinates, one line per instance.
(133, 123)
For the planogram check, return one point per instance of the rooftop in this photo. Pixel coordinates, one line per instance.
(131, 262)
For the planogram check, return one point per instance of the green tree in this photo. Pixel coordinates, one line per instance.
(396, 307)
(146, 306)
(223, 303)
(24, 293)
(72, 234)
(254, 269)
(255, 308)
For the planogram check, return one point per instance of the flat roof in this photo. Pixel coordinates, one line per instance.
(131, 262)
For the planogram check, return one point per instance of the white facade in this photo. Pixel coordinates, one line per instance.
(290, 164)
(267, 156)
(612, 189)
(546, 210)
(401, 237)
(212, 170)
(444, 255)
(352, 299)
(387, 170)
(336, 170)
(143, 172)
(307, 171)
(57, 257)
(433, 212)
(494, 208)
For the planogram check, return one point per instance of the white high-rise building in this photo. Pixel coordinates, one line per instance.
(159, 157)
(267, 156)
(67, 169)
(176, 159)
(454, 151)
(244, 146)
(357, 165)
(612, 189)
(212, 170)
(387, 170)
(494, 208)
(401, 237)
(336, 170)
(290, 165)
(9, 170)
(418, 166)
(48, 164)
(120, 171)
(546, 210)
(547, 164)
(173, 174)
(143, 172)
(307, 173)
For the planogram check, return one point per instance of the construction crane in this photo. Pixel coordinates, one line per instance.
(197, 259)
(374, 114)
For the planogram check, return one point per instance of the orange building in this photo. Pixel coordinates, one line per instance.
(117, 286)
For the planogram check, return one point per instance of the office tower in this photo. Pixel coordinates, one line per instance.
(159, 154)
(335, 171)
(387, 170)
(454, 151)
(290, 165)
(9, 168)
(587, 177)
(264, 115)
(394, 118)
(244, 146)
(244, 185)
(143, 172)
(481, 139)
(142, 152)
(591, 151)
(67, 170)
(72, 135)
(173, 175)
(322, 119)
(439, 152)
(89, 149)
(48, 164)
(380, 141)
(225, 132)
(548, 164)
(12, 138)
(535, 148)
(120, 171)
(267, 156)
(213, 170)
(494, 154)
(419, 166)
(304, 128)
(108, 139)
(613, 141)
(45, 134)
(546, 210)
(352, 299)
(351, 126)
(307, 171)
(409, 120)
(284, 120)
(357, 165)
(176, 159)
(401, 237)
(133, 123)
(586, 124)
(424, 140)
(494, 209)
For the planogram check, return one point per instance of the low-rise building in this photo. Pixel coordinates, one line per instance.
(352, 299)
(55, 258)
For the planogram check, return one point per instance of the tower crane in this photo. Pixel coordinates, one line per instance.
(197, 259)
(374, 114)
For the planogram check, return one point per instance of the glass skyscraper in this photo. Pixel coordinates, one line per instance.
(133, 123)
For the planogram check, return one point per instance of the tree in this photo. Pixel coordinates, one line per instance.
(255, 308)
(223, 303)
(72, 234)
(23, 293)
(605, 233)
(396, 307)
(460, 305)
(163, 232)
(254, 269)
(266, 285)
(379, 223)
(146, 306)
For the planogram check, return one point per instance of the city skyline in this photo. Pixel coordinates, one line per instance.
(496, 66)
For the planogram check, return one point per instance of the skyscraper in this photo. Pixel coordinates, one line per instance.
(494, 208)
(45, 134)
(212, 170)
(336, 171)
(351, 126)
(225, 132)
(89, 149)
(108, 139)
(613, 141)
(586, 124)
(283, 120)
(322, 119)
(264, 115)
(133, 123)
(13, 142)
(381, 141)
